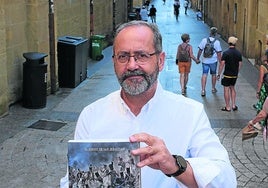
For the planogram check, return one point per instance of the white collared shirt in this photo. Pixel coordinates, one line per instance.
(181, 122)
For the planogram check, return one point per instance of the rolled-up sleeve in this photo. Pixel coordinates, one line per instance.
(215, 173)
(208, 157)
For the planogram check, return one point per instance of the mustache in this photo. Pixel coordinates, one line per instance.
(133, 73)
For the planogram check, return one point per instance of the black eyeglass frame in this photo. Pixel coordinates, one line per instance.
(137, 59)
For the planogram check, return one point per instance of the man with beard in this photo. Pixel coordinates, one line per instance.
(178, 146)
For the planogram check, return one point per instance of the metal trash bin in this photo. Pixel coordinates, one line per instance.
(72, 60)
(97, 45)
(34, 80)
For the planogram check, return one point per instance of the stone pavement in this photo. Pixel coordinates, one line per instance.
(31, 157)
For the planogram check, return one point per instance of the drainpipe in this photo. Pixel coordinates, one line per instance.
(52, 47)
(91, 18)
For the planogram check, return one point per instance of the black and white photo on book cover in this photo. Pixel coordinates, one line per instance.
(103, 164)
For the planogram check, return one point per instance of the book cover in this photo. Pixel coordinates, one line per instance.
(105, 164)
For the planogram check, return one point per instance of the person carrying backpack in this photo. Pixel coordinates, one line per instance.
(183, 60)
(210, 49)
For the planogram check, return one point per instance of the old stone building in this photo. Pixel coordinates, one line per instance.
(25, 27)
(247, 20)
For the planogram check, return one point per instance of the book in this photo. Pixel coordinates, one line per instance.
(103, 163)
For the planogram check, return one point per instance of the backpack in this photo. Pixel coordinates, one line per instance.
(209, 48)
(183, 54)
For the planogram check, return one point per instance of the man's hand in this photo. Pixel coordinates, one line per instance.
(155, 154)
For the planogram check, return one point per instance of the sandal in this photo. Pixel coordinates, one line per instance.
(203, 93)
(235, 108)
(225, 109)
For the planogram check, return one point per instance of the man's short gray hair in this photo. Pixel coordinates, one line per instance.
(157, 35)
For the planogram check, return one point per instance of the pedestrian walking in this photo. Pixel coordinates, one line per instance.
(144, 14)
(262, 86)
(186, 4)
(231, 63)
(177, 144)
(184, 60)
(152, 14)
(176, 10)
(199, 15)
(261, 93)
(211, 49)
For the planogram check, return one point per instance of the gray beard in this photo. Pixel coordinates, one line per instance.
(133, 86)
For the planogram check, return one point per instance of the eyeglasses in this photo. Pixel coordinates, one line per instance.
(140, 57)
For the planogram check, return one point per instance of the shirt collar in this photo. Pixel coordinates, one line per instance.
(148, 105)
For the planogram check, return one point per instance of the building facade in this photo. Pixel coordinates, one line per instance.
(245, 19)
(25, 27)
